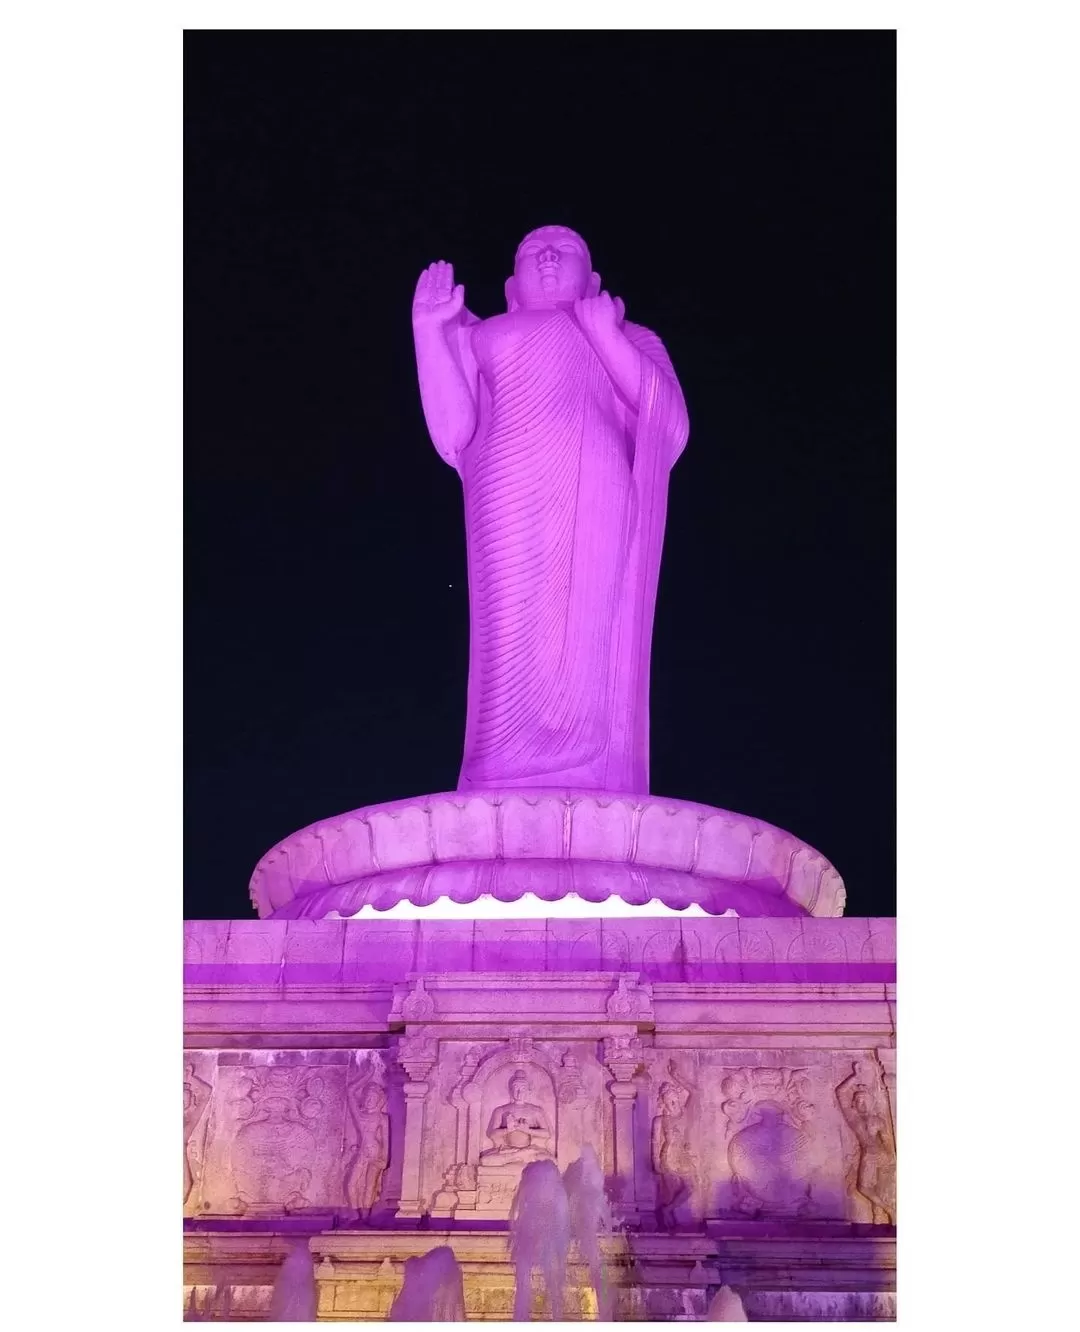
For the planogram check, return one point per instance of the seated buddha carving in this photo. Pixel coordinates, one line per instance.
(519, 1129)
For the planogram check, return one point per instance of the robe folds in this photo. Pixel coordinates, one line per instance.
(565, 497)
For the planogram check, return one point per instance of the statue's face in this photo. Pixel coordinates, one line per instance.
(517, 1092)
(372, 1100)
(861, 1103)
(552, 268)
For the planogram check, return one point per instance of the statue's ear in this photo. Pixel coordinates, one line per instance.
(511, 296)
(594, 285)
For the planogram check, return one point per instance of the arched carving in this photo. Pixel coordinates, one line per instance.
(491, 1155)
(518, 1051)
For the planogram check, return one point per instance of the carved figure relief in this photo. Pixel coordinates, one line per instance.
(768, 1113)
(864, 1105)
(672, 1159)
(273, 1149)
(196, 1099)
(569, 1082)
(370, 1153)
(493, 1145)
(518, 1128)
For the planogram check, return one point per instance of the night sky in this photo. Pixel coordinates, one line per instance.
(737, 190)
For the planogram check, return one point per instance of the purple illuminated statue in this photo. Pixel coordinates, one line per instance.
(563, 420)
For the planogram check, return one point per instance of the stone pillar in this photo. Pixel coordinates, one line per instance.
(623, 1054)
(416, 1053)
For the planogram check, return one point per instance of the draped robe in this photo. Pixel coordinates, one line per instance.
(565, 497)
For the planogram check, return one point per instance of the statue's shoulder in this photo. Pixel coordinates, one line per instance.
(648, 342)
(638, 333)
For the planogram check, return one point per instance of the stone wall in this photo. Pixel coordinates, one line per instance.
(735, 1076)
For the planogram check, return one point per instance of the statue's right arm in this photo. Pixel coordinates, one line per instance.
(449, 386)
(449, 380)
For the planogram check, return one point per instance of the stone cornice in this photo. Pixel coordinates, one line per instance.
(293, 954)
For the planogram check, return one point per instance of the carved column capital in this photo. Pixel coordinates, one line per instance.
(623, 1055)
(416, 1054)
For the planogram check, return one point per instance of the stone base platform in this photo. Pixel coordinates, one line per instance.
(500, 844)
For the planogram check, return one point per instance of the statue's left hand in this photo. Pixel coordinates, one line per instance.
(600, 316)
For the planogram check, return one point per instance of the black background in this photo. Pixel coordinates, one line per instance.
(737, 190)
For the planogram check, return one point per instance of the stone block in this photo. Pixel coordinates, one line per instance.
(314, 951)
(255, 952)
(382, 951)
(445, 946)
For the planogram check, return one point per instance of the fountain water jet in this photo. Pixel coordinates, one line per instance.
(433, 1290)
(726, 1307)
(216, 1307)
(539, 1237)
(590, 1217)
(295, 1297)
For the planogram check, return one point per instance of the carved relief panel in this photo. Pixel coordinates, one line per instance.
(773, 1153)
(870, 1158)
(198, 1087)
(499, 1105)
(275, 1137)
(675, 1140)
(369, 1139)
(773, 1135)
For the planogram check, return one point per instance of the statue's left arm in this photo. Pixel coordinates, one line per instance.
(626, 350)
(845, 1097)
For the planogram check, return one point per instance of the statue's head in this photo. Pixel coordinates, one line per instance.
(861, 1103)
(519, 1088)
(551, 268)
(671, 1098)
(374, 1098)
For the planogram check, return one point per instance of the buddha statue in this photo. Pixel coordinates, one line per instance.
(519, 1129)
(563, 420)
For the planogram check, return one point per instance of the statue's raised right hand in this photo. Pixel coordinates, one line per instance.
(437, 300)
